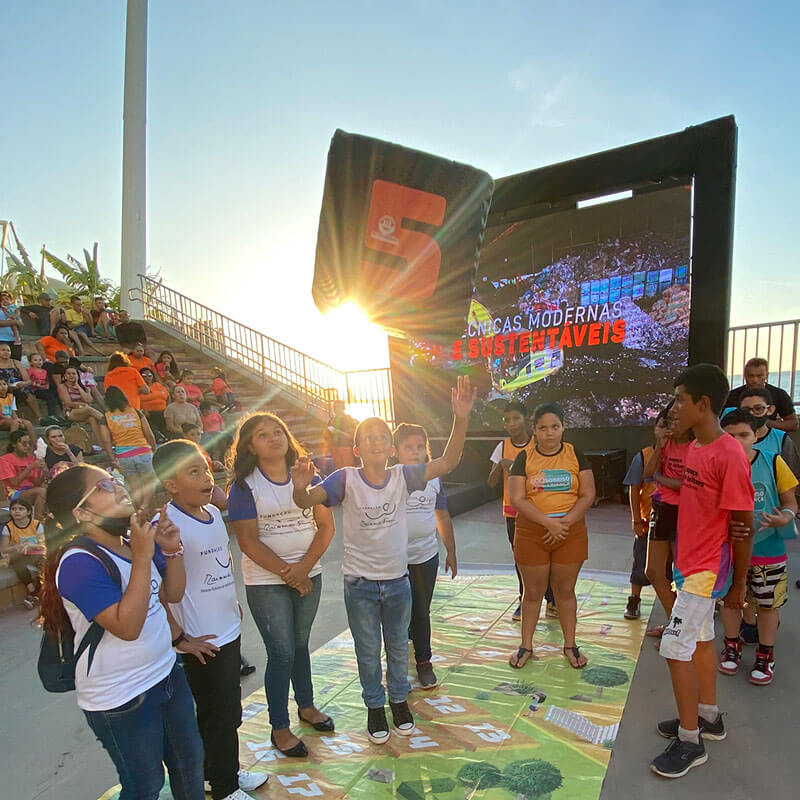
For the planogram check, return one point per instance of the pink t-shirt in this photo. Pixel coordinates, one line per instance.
(673, 457)
(12, 465)
(716, 481)
(212, 422)
(38, 378)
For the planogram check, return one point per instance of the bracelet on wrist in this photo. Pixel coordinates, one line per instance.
(173, 553)
(788, 511)
(180, 638)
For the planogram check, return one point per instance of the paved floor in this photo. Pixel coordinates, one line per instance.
(48, 753)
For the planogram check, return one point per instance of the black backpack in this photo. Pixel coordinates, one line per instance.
(58, 657)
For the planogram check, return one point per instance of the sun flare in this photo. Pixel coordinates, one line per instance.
(359, 343)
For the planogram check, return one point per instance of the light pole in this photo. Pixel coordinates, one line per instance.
(134, 157)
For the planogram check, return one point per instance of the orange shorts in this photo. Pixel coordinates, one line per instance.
(530, 549)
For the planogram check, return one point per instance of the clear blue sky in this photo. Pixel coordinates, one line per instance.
(244, 97)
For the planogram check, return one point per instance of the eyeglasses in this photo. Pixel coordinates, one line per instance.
(109, 485)
(758, 409)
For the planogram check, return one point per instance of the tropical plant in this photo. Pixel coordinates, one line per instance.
(21, 277)
(84, 279)
(604, 676)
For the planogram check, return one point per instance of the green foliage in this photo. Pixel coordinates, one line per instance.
(604, 676)
(84, 279)
(531, 777)
(21, 277)
(479, 775)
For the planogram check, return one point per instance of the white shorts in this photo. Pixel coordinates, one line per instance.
(692, 621)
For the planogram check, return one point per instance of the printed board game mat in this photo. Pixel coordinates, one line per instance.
(488, 731)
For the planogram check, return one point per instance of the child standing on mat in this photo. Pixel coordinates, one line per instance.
(716, 489)
(426, 513)
(774, 511)
(377, 593)
(205, 625)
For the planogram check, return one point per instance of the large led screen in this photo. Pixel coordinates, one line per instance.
(588, 307)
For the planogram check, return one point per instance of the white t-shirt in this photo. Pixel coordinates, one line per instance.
(120, 670)
(497, 454)
(375, 531)
(421, 521)
(209, 604)
(282, 526)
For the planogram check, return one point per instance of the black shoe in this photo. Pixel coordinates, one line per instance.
(298, 751)
(325, 726)
(246, 668)
(632, 609)
(402, 718)
(377, 726)
(708, 730)
(679, 758)
(748, 633)
(427, 677)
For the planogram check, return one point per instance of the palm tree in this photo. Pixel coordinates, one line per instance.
(84, 279)
(21, 276)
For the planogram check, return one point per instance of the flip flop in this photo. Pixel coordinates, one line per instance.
(520, 655)
(576, 654)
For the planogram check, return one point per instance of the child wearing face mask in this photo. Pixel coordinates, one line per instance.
(758, 402)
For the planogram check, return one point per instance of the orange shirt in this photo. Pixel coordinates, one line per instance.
(52, 345)
(129, 380)
(157, 399)
(141, 363)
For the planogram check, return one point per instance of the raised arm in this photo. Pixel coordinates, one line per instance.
(304, 494)
(462, 398)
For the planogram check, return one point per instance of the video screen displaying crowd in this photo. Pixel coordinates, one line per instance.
(155, 520)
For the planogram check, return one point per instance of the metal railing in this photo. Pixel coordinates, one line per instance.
(366, 392)
(777, 342)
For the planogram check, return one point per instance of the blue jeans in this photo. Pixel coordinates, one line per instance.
(284, 620)
(372, 606)
(423, 581)
(157, 726)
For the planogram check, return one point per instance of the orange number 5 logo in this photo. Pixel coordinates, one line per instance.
(390, 204)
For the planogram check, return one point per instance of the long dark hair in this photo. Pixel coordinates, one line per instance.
(173, 365)
(63, 494)
(241, 461)
(116, 399)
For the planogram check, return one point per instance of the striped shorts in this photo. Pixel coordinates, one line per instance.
(766, 585)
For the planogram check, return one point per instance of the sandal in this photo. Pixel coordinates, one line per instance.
(575, 654)
(519, 655)
(656, 631)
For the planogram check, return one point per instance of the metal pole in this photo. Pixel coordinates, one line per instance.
(134, 156)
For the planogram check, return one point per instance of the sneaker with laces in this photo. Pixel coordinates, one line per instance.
(729, 657)
(748, 633)
(517, 615)
(763, 669)
(427, 677)
(679, 758)
(708, 730)
(377, 726)
(250, 781)
(632, 609)
(237, 795)
(403, 721)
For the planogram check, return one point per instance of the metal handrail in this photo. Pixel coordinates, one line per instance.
(312, 381)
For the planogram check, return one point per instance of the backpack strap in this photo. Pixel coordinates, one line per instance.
(91, 639)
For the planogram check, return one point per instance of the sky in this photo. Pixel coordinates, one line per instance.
(244, 97)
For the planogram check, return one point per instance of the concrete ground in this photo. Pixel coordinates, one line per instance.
(48, 753)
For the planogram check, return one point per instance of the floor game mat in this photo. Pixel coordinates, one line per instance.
(488, 731)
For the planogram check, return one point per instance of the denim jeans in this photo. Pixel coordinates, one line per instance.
(423, 580)
(373, 606)
(157, 726)
(284, 620)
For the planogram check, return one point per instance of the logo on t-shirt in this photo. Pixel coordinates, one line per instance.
(220, 576)
(378, 516)
(551, 480)
(417, 501)
(760, 491)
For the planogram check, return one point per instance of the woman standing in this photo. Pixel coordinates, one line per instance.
(129, 442)
(121, 374)
(552, 487)
(133, 693)
(281, 546)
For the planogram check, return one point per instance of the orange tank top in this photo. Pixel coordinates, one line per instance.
(552, 482)
(125, 428)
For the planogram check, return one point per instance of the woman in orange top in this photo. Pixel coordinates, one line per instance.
(552, 487)
(48, 346)
(138, 359)
(122, 375)
(153, 404)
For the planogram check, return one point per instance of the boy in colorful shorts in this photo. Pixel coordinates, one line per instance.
(716, 488)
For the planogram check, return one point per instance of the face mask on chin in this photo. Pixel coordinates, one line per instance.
(113, 526)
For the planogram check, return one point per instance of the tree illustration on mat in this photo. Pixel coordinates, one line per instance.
(531, 779)
(604, 677)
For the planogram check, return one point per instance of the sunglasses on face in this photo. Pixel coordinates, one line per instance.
(109, 485)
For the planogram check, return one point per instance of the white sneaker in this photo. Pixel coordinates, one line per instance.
(250, 781)
(238, 795)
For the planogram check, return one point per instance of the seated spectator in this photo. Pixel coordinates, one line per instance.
(48, 346)
(40, 384)
(155, 403)
(22, 474)
(58, 451)
(76, 402)
(88, 381)
(18, 380)
(194, 394)
(9, 419)
(214, 439)
(122, 375)
(46, 315)
(11, 321)
(167, 369)
(22, 540)
(223, 393)
(192, 432)
(211, 418)
(79, 322)
(138, 359)
(180, 411)
(102, 324)
(129, 333)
